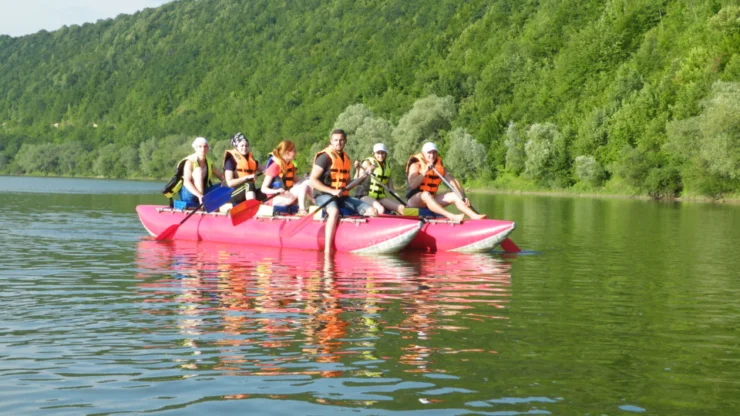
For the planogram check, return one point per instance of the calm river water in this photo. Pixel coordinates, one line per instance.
(618, 307)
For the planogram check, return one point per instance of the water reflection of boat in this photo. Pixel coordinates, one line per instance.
(268, 311)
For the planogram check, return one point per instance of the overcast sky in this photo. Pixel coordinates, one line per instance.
(23, 17)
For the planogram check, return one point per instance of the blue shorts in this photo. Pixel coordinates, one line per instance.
(192, 200)
(347, 202)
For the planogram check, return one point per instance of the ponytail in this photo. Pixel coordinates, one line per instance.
(282, 148)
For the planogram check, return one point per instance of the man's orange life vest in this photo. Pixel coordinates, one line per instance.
(338, 176)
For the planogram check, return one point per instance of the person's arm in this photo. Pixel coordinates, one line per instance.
(266, 189)
(270, 175)
(366, 167)
(232, 181)
(230, 174)
(390, 184)
(417, 174)
(316, 171)
(358, 167)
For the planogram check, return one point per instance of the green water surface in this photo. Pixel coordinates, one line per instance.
(616, 307)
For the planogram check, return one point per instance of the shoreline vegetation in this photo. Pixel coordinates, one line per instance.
(731, 199)
(622, 97)
(494, 190)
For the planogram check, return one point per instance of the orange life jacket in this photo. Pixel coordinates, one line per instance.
(287, 172)
(339, 170)
(244, 165)
(431, 180)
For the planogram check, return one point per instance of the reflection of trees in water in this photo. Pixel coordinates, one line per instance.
(270, 312)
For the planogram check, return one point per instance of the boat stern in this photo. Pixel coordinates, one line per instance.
(495, 235)
(393, 244)
(471, 236)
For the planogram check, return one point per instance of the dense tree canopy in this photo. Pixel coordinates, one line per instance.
(556, 93)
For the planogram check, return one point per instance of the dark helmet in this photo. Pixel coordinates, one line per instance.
(235, 139)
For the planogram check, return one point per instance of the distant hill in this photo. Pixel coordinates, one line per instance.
(560, 93)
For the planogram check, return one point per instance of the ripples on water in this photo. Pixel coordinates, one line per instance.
(98, 319)
(198, 323)
(348, 330)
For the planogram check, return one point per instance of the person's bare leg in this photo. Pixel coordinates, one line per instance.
(197, 176)
(283, 200)
(371, 212)
(379, 208)
(332, 219)
(451, 197)
(299, 191)
(374, 203)
(309, 193)
(435, 206)
(392, 205)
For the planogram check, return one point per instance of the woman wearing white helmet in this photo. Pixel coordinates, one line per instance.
(423, 170)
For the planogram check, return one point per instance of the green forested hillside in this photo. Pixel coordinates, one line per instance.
(641, 96)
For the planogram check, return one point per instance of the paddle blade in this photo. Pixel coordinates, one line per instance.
(217, 197)
(294, 227)
(168, 232)
(509, 246)
(244, 211)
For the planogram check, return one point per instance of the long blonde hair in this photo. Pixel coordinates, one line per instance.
(282, 148)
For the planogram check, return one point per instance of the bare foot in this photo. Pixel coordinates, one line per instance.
(458, 217)
(479, 217)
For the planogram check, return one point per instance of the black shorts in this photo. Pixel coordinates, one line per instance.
(241, 196)
(411, 193)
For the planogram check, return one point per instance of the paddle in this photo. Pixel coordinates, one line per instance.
(508, 245)
(393, 194)
(292, 229)
(247, 210)
(211, 202)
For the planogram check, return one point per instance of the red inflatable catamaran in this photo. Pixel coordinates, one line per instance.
(384, 234)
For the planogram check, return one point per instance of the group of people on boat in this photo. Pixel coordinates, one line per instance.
(328, 182)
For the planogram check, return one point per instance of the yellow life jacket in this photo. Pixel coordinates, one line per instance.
(383, 173)
(175, 183)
